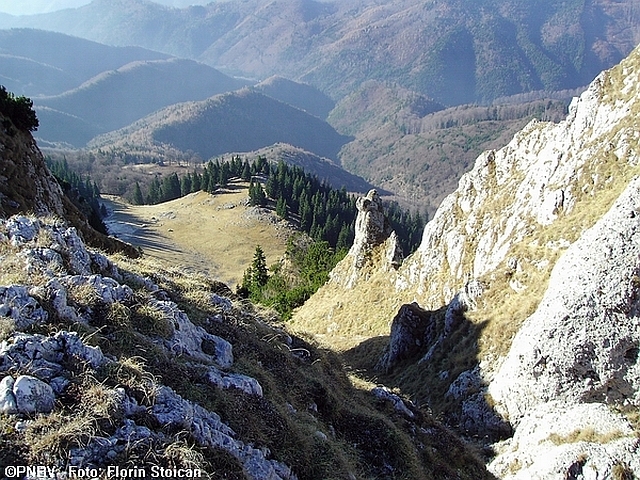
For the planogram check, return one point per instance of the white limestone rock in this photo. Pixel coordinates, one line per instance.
(107, 289)
(41, 259)
(189, 339)
(556, 440)
(220, 379)
(223, 302)
(43, 356)
(175, 413)
(7, 398)
(21, 229)
(56, 292)
(582, 343)
(17, 304)
(372, 231)
(533, 181)
(398, 403)
(33, 395)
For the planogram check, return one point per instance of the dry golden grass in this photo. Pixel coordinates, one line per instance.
(213, 234)
(7, 327)
(589, 435)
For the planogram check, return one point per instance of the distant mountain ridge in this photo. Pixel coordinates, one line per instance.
(75, 59)
(455, 51)
(116, 98)
(239, 121)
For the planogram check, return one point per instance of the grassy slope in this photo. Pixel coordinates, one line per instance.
(358, 319)
(213, 234)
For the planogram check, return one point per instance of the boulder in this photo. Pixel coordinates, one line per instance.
(220, 379)
(17, 304)
(189, 339)
(33, 395)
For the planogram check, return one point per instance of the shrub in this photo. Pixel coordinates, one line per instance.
(19, 110)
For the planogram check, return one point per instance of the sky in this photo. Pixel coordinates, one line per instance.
(30, 7)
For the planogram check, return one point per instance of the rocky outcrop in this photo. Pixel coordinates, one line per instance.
(534, 260)
(375, 245)
(582, 343)
(575, 360)
(536, 181)
(37, 370)
(412, 330)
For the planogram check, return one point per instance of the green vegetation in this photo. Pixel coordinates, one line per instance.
(84, 193)
(18, 110)
(314, 207)
(305, 269)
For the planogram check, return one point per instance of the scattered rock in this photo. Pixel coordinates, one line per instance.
(17, 304)
(399, 404)
(189, 339)
(245, 383)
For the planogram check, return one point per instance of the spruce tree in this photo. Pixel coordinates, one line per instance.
(138, 199)
(281, 208)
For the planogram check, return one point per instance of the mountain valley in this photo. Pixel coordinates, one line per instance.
(258, 308)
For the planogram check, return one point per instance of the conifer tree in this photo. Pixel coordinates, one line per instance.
(281, 208)
(246, 171)
(137, 195)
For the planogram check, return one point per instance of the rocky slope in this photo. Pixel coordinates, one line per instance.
(26, 185)
(117, 362)
(526, 323)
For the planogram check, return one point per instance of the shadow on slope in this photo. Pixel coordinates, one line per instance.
(433, 357)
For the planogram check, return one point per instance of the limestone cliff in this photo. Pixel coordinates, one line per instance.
(542, 232)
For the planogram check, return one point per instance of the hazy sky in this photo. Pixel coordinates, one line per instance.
(29, 7)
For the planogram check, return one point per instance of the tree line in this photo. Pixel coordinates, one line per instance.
(313, 206)
(83, 192)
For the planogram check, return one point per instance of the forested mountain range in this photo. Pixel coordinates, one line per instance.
(391, 75)
(455, 51)
(38, 62)
(116, 98)
(243, 120)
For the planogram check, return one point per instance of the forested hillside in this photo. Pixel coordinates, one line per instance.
(116, 98)
(455, 51)
(239, 121)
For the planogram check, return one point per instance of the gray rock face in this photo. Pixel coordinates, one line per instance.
(577, 356)
(398, 403)
(582, 343)
(556, 441)
(65, 249)
(33, 395)
(412, 330)
(372, 226)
